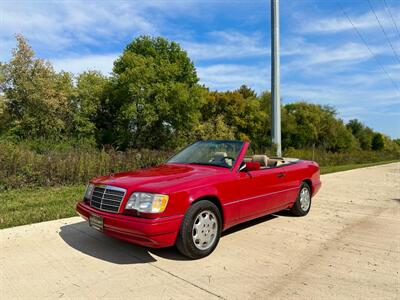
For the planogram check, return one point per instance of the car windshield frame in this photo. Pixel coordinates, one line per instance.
(234, 144)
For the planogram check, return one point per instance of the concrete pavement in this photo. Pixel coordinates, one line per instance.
(347, 247)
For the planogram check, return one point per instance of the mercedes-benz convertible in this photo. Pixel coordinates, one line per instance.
(198, 193)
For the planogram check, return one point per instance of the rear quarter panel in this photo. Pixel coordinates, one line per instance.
(297, 173)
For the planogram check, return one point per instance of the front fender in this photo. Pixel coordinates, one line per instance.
(180, 201)
(187, 198)
(203, 192)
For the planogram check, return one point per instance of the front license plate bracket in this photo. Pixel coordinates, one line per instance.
(96, 222)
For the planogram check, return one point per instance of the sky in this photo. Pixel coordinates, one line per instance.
(343, 53)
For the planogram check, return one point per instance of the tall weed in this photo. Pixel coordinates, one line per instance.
(326, 158)
(22, 167)
(29, 164)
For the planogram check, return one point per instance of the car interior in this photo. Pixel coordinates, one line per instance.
(220, 157)
(264, 161)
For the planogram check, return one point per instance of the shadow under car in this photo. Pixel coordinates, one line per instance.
(89, 241)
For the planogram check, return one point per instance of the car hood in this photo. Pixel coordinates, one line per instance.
(163, 178)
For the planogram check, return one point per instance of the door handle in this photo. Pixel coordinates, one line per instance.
(281, 175)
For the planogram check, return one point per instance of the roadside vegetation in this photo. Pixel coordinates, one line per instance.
(341, 168)
(59, 129)
(37, 204)
(29, 165)
(32, 205)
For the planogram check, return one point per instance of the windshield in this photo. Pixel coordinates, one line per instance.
(214, 153)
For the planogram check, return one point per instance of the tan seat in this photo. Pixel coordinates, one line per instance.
(275, 162)
(262, 159)
(219, 156)
(272, 162)
(280, 162)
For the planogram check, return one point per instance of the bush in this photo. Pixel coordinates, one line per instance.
(21, 166)
(326, 158)
(42, 163)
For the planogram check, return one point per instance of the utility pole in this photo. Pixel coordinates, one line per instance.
(275, 78)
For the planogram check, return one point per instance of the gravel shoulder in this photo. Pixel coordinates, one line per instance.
(347, 247)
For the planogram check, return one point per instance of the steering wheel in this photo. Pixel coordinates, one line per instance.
(227, 157)
(223, 159)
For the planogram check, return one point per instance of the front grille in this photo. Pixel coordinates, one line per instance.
(107, 198)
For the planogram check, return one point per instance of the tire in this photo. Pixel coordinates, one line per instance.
(200, 230)
(300, 207)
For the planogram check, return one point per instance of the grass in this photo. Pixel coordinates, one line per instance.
(32, 205)
(340, 168)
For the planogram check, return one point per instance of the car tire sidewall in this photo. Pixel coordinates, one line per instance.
(297, 210)
(185, 234)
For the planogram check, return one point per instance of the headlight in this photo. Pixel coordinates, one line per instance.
(147, 202)
(89, 191)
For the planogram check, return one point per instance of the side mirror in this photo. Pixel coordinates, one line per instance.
(242, 167)
(249, 166)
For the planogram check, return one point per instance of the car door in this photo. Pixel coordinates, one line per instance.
(261, 192)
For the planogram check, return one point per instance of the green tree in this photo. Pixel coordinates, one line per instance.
(391, 145)
(3, 114)
(214, 129)
(153, 98)
(229, 104)
(37, 97)
(246, 92)
(2, 104)
(307, 118)
(90, 90)
(262, 135)
(362, 133)
(313, 125)
(245, 116)
(377, 142)
(334, 135)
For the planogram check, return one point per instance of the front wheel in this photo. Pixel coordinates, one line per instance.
(303, 203)
(200, 230)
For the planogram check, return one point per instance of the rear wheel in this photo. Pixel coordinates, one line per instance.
(200, 230)
(303, 203)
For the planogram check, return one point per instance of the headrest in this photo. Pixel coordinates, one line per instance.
(262, 159)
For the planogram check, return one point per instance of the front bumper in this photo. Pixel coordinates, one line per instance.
(154, 233)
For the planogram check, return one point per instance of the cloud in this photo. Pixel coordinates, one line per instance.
(378, 108)
(72, 26)
(313, 52)
(349, 52)
(227, 45)
(232, 76)
(366, 21)
(340, 94)
(364, 96)
(102, 63)
(322, 59)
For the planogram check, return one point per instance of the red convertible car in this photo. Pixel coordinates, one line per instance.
(198, 193)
